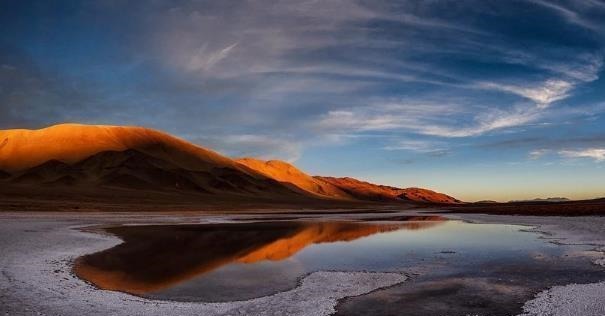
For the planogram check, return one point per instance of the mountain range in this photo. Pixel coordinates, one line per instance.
(91, 158)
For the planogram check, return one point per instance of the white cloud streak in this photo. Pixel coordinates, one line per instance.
(488, 122)
(430, 147)
(543, 95)
(202, 59)
(569, 15)
(597, 154)
(538, 153)
(426, 119)
(581, 69)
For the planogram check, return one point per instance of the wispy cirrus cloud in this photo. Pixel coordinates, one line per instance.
(428, 147)
(204, 60)
(538, 153)
(489, 121)
(597, 154)
(382, 116)
(569, 74)
(232, 74)
(570, 15)
(542, 95)
(427, 119)
(548, 147)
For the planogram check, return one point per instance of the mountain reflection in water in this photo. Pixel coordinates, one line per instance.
(157, 257)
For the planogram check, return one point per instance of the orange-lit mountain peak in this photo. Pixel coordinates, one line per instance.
(369, 191)
(287, 173)
(103, 156)
(71, 143)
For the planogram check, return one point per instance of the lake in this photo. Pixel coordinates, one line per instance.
(454, 266)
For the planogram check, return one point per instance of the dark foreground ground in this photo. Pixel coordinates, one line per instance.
(18, 199)
(45, 199)
(594, 207)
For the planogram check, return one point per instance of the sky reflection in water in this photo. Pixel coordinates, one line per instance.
(220, 262)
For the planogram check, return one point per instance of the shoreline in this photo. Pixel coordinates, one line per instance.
(48, 285)
(570, 299)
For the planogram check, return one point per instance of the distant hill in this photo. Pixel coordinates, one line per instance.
(551, 199)
(375, 192)
(540, 207)
(74, 157)
(342, 188)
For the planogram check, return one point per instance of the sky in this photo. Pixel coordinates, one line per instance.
(483, 99)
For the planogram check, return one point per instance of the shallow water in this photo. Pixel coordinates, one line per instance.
(455, 266)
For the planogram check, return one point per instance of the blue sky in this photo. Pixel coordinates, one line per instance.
(479, 99)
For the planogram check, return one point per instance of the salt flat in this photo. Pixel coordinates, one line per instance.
(572, 299)
(38, 249)
(37, 278)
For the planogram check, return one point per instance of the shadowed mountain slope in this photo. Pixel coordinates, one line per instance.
(126, 157)
(75, 157)
(373, 192)
(132, 169)
(4, 175)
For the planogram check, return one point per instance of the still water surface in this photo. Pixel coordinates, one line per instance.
(476, 268)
